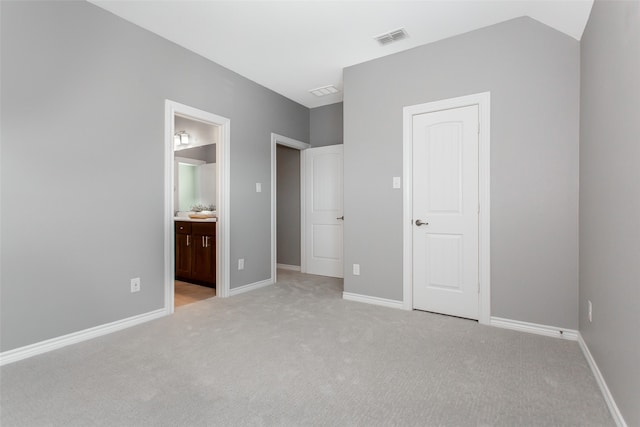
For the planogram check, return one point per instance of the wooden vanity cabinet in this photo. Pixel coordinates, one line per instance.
(184, 249)
(196, 252)
(203, 265)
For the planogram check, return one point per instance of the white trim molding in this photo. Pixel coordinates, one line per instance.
(31, 350)
(298, 145)
(483, 101)
(535, 328)
(250, 287)
(223, 199)
(372, 300)
(606, 393)
(572, 335)
(288, 267)
(303, 212)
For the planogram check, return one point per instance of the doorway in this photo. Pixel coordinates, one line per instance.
(177, 116)
(195, 209)
(289, 147)
(446, 207)
(288, 208)
(321, 213)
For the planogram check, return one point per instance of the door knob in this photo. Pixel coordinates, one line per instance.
(341, 217)
(420, 222)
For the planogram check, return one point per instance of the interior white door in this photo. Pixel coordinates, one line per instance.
(323, 210)
(445, 212)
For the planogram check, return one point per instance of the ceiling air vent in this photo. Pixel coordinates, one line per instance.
(324, 90)
(391, 36)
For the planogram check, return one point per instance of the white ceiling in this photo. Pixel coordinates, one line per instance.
(294, 46)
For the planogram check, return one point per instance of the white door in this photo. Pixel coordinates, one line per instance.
(323, 210)
(445, 212)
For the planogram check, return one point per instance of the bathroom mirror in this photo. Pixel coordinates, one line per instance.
(194, 164)
(196, 184)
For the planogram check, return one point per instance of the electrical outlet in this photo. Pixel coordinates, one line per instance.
(396, 182)
(135, 284)
(258, 187)
(241, 264)
(356, 269)
(590, 311)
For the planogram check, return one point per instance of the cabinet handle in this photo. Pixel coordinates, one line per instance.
(188, 239)
(207, 240)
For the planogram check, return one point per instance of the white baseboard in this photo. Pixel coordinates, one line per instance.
(534, 328)
(250, 287)
(372, 300)
(31, 350)
(288, 267)
(608, 397)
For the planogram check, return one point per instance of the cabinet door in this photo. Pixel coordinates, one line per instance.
(184, 252)
(204, 258)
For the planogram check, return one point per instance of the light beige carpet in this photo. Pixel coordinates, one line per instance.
(296, 354)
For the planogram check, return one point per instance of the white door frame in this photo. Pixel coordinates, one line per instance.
(172, 109)
(301, 146)
(483, 100)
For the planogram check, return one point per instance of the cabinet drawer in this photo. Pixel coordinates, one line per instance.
(183, 227)
(203, 228)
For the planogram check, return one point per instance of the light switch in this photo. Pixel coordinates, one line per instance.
(258, 187)
(396, 182)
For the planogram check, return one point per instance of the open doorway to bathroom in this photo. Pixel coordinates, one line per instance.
(196, 245)
(195, 212)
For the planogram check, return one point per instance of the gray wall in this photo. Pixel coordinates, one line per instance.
(532, 72)
(74, 230)
(326, 125)
(288, 205)
(610, 197)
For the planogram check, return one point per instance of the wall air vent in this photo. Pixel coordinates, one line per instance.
(391, 36)
(324, 90)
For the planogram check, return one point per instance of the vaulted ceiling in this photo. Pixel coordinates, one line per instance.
(294, 46)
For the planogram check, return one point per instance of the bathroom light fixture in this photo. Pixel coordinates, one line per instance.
(181, 138)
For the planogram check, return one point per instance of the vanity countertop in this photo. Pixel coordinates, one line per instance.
(181, 218)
